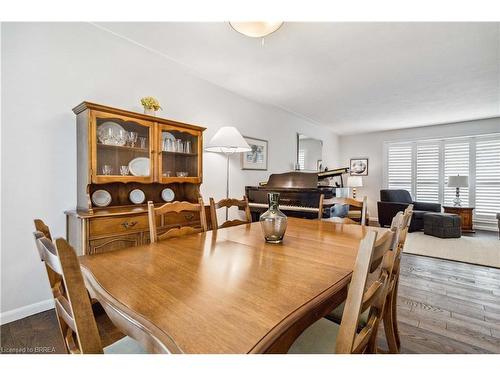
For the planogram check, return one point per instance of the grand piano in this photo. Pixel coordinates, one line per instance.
(300, 193)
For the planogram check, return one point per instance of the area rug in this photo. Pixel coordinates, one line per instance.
(477, 249)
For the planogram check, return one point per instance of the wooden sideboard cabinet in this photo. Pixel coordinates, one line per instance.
(158, 153)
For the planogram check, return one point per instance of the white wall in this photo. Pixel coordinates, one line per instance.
(49, 68)
(371, 145)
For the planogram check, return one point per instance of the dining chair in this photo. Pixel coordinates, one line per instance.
(390, 314)
(175, 207)
(40, 226)
(367, 290)
(399, 226)
(72, 304)
(362, 205)
(229, 202)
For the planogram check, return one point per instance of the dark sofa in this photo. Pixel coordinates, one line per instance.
(392, 201)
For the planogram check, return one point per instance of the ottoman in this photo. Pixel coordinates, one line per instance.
(442, 225)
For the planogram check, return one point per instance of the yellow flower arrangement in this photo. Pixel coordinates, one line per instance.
(149, 102)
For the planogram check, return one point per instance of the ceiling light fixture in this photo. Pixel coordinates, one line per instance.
(256, 29)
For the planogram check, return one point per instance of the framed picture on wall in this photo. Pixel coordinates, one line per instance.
(359, 167)
(257, 157)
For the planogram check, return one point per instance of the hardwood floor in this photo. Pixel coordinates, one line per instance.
(40, 333)
(447, 307)
(443, 307)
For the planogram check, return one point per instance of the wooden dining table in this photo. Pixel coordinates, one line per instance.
(226, 291)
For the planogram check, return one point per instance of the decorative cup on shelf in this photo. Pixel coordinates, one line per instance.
(107, 169)
(179, 146)
(273, 222)
(187, 147)
(167, 173)
(182, 174)
(124, 170)
(142, 142)
(132, 138)
(169, 145)
(121, 137)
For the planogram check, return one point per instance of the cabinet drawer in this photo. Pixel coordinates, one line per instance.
(181, 218)
(116, 225)
(113, 243)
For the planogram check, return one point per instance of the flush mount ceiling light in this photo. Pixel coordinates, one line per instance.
(256, 29)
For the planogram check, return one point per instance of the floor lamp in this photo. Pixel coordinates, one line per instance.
(227, 141)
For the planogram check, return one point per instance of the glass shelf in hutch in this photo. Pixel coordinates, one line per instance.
(120, 152)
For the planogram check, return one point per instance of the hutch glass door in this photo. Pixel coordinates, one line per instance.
(179, 156)
(122, 149)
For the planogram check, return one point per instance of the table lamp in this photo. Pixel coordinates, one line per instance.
(458, 182)
(354, 182)
(227, 141)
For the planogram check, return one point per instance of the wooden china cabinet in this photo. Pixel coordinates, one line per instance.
(126, 159)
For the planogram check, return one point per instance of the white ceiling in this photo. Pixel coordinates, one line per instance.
(352, 77)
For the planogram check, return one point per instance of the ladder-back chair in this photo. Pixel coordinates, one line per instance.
(390, 313)
(72, 304)
(367, 290)
(227, 203)
(175, 207)
(362, 205)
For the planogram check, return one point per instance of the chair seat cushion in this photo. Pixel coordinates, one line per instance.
(127, 345)
(319, 338)
(336, 315)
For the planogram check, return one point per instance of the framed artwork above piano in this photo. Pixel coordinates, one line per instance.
(257, 158)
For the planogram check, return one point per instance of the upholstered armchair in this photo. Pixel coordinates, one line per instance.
(393, 201)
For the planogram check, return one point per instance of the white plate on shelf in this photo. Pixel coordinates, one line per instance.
(167, 195)
(101, 198)
(137, 196)
(105, 128)
(139, 166)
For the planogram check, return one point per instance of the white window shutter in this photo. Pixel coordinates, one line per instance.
(487, 179)
(456, 162)
(427, 184)
(399, 169)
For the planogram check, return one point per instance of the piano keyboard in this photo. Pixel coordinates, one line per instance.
(286, 208)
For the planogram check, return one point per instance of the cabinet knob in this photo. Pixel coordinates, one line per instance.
(127, 225)
(189, 216)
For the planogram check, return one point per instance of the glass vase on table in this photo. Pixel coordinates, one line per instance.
(273, 222)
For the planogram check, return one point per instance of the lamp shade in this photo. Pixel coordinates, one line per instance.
(256, 29)
(354, 181)
(458, 181)
(228, 140)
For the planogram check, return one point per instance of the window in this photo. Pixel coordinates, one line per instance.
(302, 158)
(427, 186)
(400, 167)
(487, 179)
(423, 168)
(456, 162)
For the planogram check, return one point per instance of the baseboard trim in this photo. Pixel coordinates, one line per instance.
(23, 312)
